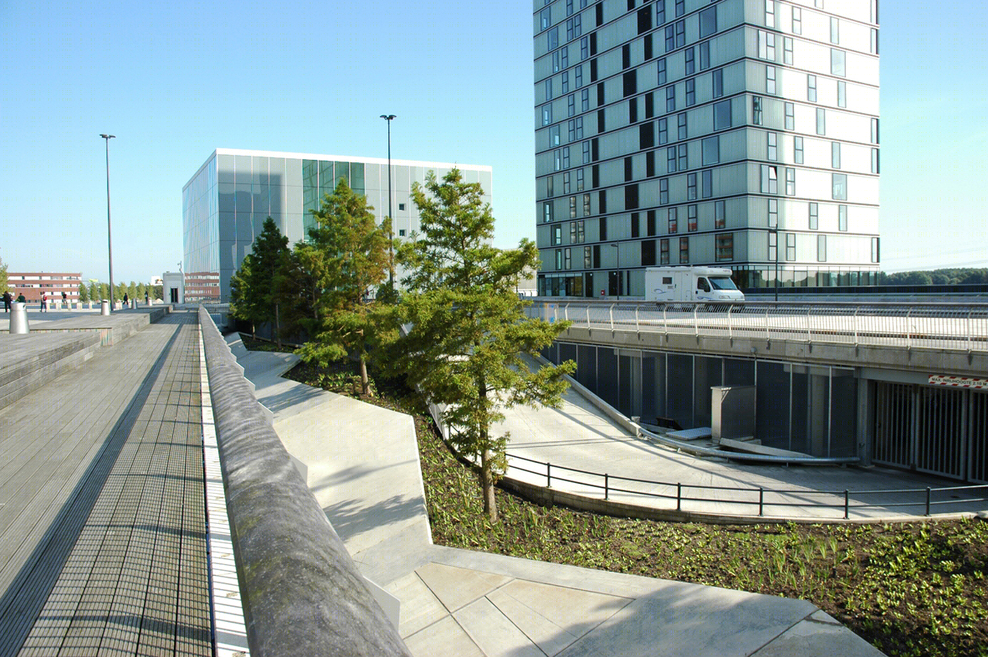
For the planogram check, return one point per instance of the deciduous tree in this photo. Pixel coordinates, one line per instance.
(469, 332)
(347, 257)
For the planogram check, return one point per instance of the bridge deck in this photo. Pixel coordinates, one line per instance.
(102, 528)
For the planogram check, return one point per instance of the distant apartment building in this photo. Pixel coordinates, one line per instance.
(733, 133)
(225, 203)
(33, 284)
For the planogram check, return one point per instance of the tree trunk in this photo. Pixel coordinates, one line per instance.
(277, 324)
(364, 379)
(487, 484)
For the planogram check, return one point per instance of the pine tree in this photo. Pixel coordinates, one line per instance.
(347, 257)
(83, 293)
(256, 297)
(468, 332)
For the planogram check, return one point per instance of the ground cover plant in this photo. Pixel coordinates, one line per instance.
(910, 589)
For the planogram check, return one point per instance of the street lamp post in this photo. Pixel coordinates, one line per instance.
(391, 233)
(109, 239)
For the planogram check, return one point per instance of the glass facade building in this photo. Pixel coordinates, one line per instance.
(226, 202)
(734, 133)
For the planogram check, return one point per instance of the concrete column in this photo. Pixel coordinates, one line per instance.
(18, 319)
(104, 307)
(865, 420)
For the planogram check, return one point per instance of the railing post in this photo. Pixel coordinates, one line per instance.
(909, 329)
(588, 315)
(606, 486)
(767, 336)
(809, 329)
(929, 494)
(696, 321)
(566, 312)
(856, 310)
(665, 320)
(548, 475)
(761, 502)
(847, 505)
(679, 496)
(730, 322)
(611, 311)
(637, 327)
(968, 330)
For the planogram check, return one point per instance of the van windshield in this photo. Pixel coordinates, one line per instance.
(723, 283)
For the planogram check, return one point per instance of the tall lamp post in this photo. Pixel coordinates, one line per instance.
(391, 233)
(109, 239)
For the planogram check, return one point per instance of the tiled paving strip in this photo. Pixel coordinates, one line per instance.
(172, 402)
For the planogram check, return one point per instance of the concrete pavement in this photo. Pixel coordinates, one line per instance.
(363, 468)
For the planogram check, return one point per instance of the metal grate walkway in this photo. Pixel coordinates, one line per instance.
(102, 527)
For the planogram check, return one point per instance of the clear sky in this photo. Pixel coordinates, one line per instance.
(174, 81)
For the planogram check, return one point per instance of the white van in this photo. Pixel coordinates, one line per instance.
(690, 284)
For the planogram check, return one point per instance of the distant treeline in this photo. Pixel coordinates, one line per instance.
(936, 277)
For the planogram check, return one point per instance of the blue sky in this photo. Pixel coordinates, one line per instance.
(177, 80)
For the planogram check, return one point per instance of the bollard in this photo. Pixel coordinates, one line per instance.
(104, 307)
(18, 319)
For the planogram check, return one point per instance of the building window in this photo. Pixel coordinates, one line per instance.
(821, 248)
(663, 248)
(841, 93)
(722, 115)
(554, 135)
(691, 187)
(797, 147)
(756, 110)
(839, 186)
(630, 83)
(574, 27)
(587, 211)
(790, 116)
(874, 160)
(766, 45)
(769, 13)
(566, 183)
(576, 231)
(711, 150)
(707, 183)
(559, 259)
(691, 224)
(681, 123)
(635, 225)
(690, 61)
(821, 121)
(797, 20)
(704, 55)
(684, 250)
(549, 183)
(673, 221)
(680, 34)
(572, 207)
(567, 261)
(811, 88)
(547, 114)
(663, 191)
(835, 154)
(837, 62)
(557, 235)
(773, 213)
(874, 249)
(545, 18)
(790, 181)
(663, 131)
(650, 222)
(787, 50)
(586, 152)
(579, 180)
(720, 214)
(682, 157)
(631, 197)
(691, 92)
(770, 80)
(660, 12)
(790, 247)
(547, 212)
(548, 89)
(708, 21)
(671, 98)
(588, 257)
(648, 252)
(773, 146)
(671, 159)
(874, 41)
(585, 100)
(770, 179)
(874, 131)
(670, 34)
(680, 8)
(578, 76)
(842, 218)
(725, 247)
(834, 30)
(661, 65)
(717, 83)
(814, 216)
(773, 249)
(566, 157)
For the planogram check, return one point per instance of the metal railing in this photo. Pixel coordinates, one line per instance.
(841, 503)
(956, 327)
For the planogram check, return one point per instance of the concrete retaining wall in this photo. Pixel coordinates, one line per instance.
(302, 593)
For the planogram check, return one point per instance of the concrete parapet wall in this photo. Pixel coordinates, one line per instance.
(302, 593)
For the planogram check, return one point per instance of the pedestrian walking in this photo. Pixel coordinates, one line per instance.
(6, 301)
(65, 299)
(126, 300)
(44, 302)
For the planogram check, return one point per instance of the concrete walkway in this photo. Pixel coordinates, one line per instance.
(102, 528)
(363, 468)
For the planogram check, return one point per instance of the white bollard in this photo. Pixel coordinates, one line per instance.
(18, 319)
(104, 307)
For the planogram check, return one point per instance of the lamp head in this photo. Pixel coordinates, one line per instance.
(108, 137)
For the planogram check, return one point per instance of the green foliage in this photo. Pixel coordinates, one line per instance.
(94, 292)
(468, 329)
(83, 293)
(937, 277)
(258, 286)
(346, 258)
(4, 284)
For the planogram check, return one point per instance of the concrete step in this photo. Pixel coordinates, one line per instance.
(32, 360)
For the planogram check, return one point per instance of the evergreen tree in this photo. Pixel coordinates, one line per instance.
(256, 297)
(468, 328)
(4, 281)
(83, 293)
(347, 257)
